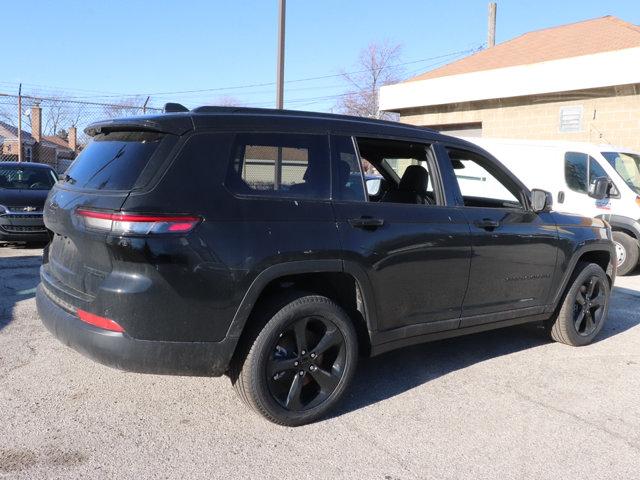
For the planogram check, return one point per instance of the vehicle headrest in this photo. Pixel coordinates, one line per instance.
(414, 179)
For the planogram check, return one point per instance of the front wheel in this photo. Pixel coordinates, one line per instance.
(584, 308)
(627, 252)
(300, 364)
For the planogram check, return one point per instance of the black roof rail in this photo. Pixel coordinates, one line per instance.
(174, 107)
(294, 113)
(273, 111)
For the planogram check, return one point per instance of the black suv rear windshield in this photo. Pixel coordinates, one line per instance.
(113, 161)
(23, 176)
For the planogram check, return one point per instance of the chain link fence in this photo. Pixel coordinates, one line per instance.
(51, 130)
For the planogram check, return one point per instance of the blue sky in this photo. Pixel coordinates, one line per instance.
(103, 50)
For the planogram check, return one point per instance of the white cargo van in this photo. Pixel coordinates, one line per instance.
(568, 170)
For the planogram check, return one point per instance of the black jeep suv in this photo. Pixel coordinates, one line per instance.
(245, 241)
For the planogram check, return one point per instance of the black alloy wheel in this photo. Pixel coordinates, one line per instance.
(583, 310)
(296, 366)
(589, 305)
(307, 363)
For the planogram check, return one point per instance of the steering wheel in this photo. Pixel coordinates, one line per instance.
(37, 185)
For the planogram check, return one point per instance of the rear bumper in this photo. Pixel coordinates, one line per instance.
(120, 351)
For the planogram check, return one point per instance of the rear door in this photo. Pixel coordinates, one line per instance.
(108, 169)
(415, 256)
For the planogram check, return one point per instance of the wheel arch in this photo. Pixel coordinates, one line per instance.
(597, 253)
(620, 223)
(346, 286)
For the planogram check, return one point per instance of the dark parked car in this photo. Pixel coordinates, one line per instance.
(23, 189)
(242, 241)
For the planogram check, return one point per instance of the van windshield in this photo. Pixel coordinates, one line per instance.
(628, 167)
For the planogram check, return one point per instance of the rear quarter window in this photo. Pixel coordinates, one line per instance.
(113, 161)
(280, 165)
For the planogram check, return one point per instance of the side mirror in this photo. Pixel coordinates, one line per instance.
(373, 186)
(541, 200)
(599, 188)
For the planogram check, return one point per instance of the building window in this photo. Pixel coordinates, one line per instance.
(27, 154)
(571, 119)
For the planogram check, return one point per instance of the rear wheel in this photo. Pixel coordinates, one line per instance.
(584, 308)
(300, 364)
(627, 252)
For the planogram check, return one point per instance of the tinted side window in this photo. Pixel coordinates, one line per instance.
(575, 171)
(347, 175)
(280, 165)
(113, 161)
(595, 170)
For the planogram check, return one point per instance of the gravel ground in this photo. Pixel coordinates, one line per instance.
(502, 404)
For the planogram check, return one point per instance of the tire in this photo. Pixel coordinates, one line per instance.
(627, 252)
(573, 325)
(287, 375)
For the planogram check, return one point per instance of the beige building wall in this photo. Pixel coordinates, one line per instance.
(609, 115)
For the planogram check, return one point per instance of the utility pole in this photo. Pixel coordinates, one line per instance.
(144, 107)
(280, 72)
(20, 123)
(491, 35)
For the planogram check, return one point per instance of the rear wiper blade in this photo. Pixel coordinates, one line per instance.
(69, 179)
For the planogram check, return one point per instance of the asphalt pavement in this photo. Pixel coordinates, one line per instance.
(501, 404)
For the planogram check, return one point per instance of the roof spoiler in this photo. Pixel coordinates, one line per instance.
(174, 125)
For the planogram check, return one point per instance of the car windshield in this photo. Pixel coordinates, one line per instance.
(26, 177)
(628, 167)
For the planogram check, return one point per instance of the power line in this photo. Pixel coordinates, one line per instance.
(314, 100)
(266, 84)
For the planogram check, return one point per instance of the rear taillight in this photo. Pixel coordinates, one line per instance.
(136, 224)
(98, 321)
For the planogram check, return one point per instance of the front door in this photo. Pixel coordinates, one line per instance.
(514, 248)
(415, 255)
(580, 173)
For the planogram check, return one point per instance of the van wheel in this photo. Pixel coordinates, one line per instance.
(300, 364)
(584, 308)
(626, 252)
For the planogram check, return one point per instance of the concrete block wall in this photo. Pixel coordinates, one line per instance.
(610, 116)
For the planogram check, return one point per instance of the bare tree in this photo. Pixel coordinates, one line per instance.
(126, 107)
(9, 113)
(377, 65)
(56, 116)
(228, 101)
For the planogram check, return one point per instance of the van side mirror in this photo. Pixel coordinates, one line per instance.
(541, 200)
(599, 188)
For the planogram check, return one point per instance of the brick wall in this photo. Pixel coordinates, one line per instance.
(609, 115)
(45, 154)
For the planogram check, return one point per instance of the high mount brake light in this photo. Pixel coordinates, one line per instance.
(136, 224)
